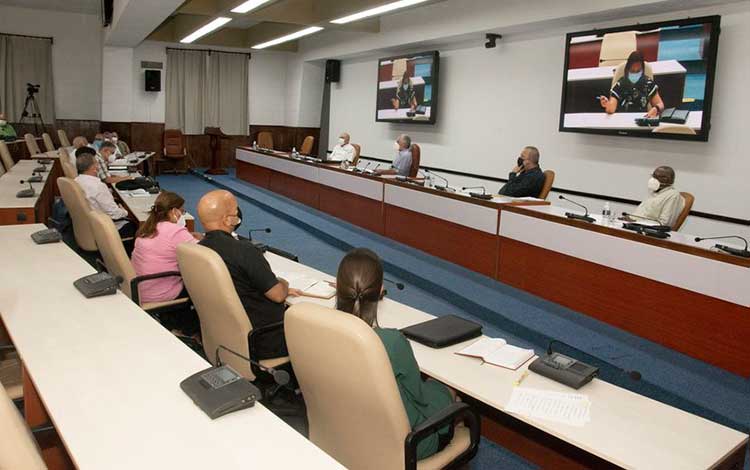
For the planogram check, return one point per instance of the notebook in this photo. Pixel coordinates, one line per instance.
(498, 352)
(310, 286)
(443, 331)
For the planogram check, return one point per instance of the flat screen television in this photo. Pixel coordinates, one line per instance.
(408, 88)
(647, 80)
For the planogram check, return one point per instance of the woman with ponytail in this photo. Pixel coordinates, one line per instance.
(359, 284)
(156, 248)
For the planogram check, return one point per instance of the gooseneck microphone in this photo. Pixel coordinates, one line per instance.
(439, 187)
(40, 169)
(586, 217)
(484, 190)
(267, 230)
(660, 227)
(28, 192)
(728, 249)
(281, 377)
(34, 178)
(483, 195)
(398, 285)
(633, 374)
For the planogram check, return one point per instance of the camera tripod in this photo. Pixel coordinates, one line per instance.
(36, 115)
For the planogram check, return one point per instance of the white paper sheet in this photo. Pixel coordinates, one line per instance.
(567, 408)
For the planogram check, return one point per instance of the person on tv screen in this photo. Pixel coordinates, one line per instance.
(634, 92)
(405, 97)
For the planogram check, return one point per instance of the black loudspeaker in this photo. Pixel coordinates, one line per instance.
(153, 80)
(333, 71)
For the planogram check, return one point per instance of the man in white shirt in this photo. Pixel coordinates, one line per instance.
(343, 151)
(665, 203)
(98, 194)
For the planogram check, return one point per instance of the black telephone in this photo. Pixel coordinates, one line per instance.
(220, 390)
(97, 284)
(49, 235)
(564, 369)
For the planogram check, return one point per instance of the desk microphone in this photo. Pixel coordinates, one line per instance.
(398, 285)
(661, 227)
(40, 169)
(439, 187)
(267, 230)
(633, 374)
(365, 167)
(586, 217)
(483, 195)
(34, 178)
(484, 190)
(29, 192)
(281, 377)
(376, 168)
(728, 249)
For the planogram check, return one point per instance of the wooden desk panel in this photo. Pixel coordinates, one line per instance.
(254, 174)
(299, 189)
(353, 208)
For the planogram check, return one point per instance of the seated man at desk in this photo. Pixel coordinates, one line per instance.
(102, 168)
(108, 151)
(526, 179)
(402, 163)
(262, 293)
(634, 92)
(343, 151)
(6, 130)
(99, 196)
(665, 203)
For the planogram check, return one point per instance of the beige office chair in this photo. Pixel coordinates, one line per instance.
(78, 208)
(688, 200)
(354, 407)
(2, 169)
(63, 137)
(18, 448)
(549, 179)
(357, 152)
(48, 144)
(31, 144)
(118, 264)
(265, 140)
(69, 169)
(5, 156)
(674, 129)
(223, 318)
(307, 145)
(616, 47)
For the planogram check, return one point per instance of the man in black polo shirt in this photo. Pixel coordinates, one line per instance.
(526, 179)
(262, 294)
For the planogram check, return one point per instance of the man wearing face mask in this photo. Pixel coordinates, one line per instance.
(262, 293)
(526, 179)
(402, 163)
(664, 203)
(7, 132)
(343, 151)
(634, 92)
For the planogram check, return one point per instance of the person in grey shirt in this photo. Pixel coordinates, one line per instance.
(402, 163)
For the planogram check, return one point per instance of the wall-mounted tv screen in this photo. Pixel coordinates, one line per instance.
(647, 80)
(408, 88)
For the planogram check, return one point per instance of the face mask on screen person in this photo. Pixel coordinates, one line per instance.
(634, 77)
(653, 184)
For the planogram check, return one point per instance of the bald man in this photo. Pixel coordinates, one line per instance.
(665, 202)
(526, 179)
(343, 151)
(262, 293)
(6, 130)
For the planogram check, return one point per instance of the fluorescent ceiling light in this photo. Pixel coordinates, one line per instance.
(249, 5)
(377, 11)
(203, 30)
(288, 37)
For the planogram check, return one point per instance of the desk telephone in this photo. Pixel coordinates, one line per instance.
(564, 369)
(49, 235)
(98, 284)
(220, 390)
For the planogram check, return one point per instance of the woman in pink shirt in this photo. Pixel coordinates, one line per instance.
(156, 249)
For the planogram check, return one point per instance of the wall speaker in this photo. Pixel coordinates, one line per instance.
(153, 80)
(333, 71)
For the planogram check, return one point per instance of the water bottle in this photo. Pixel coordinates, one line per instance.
(427, 180)
(606, 213)
(255, 145)
(294, 152)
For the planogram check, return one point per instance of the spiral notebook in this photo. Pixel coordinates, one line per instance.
(498, 352)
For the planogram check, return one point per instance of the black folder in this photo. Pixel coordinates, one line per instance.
(443, 331)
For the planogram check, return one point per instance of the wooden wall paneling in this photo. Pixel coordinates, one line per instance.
(353, 208)
(76, 127)
(18, 149)
(301, 132)
(444, 239)
(147, 137)
(123, 130)
(285, 138)
(706, 328)
(199, 148)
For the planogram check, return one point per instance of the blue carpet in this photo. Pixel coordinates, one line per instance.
(439, 287)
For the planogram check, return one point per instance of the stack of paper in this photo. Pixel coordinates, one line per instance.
(567, 408)
(498, 352)
(309, 286)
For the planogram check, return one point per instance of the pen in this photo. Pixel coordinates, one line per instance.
(521, 378)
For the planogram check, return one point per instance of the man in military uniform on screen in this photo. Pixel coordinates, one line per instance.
(634, 92)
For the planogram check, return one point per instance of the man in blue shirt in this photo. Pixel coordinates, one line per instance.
(402, 163)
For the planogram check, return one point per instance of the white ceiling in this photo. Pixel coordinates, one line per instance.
(76, 6)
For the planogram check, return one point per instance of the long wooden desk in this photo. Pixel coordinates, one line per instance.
(437, 222)
(107, 376)
(140, 206)
(675, 292)
(14, 210)
(626, 430)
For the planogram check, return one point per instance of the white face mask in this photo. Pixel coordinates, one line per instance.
(114, 140)
(181, 221)
(396, 146)
(653, 184)
(3, 122)
(341, 142)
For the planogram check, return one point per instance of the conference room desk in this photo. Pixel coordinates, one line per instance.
(675, 292)
(440, 223)
(140, 206)
(14, 210)
(626, 430)
(107, 376)
(623, 121)
(19, 150)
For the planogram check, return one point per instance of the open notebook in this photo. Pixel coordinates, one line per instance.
(497, 351)
(310, 286)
